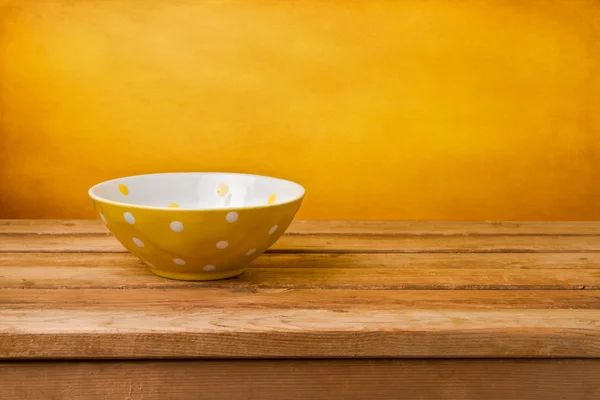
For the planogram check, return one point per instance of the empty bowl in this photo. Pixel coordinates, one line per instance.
(197, 226)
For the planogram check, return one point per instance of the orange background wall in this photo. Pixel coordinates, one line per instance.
(381, 109)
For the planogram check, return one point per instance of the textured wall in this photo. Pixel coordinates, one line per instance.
(382, 109)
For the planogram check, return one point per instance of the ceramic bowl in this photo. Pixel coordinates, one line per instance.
(197, 226)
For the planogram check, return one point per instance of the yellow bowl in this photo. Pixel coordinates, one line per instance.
(197, 226)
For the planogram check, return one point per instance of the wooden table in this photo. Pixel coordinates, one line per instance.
(335, 310)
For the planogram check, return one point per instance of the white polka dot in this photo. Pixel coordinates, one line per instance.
(222, 244)
(232, 217)
(129, 218)
(250, 252)
(176, 226)
(138, 242)
(273, 229)
(103, 219)
(179, 261)
(209, 268)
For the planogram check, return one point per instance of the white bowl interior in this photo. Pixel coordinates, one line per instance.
(198, 190)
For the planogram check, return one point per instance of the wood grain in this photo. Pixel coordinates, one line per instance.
(52, 226)
(258, 299)
(344, 227)
(331, 260)
(317, 294)
(382, 278)
(331, 244)
(303, 379)
(299, 333)
(351, 271)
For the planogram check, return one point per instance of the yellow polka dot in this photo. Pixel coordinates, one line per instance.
(272, 199)
(123, 189)
(173, 205)
(222, 189)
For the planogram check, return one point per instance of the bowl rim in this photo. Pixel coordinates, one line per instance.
(206, 209)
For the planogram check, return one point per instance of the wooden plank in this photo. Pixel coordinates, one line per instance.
(323, 278)
(332, 244)
(299, 333)
(52, 226)
(331, 260)
(370, 271)
(340, 300)
(303, 379)
(440, 228)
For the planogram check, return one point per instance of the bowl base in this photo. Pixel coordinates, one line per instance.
(201, 276)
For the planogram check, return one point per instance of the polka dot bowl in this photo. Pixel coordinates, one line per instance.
(197, 226)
